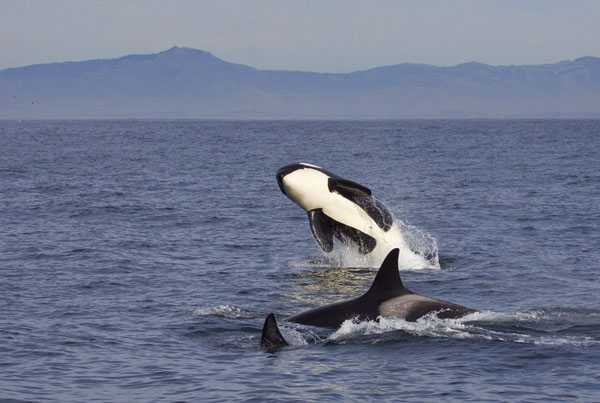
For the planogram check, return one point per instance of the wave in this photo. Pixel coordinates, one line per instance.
(544, 327)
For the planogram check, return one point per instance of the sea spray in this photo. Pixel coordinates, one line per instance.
(418, 250)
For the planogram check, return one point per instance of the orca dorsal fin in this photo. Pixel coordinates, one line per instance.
(348, 188)
(387, 279)
(271, 336)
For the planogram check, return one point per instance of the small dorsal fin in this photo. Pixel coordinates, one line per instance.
(271, 336)
(387, 278)
(348, 188)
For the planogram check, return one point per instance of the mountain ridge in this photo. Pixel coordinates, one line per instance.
(191, 83)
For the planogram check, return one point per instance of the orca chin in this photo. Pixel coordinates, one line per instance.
(387, 297)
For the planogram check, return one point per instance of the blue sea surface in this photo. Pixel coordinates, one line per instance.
(139, 259)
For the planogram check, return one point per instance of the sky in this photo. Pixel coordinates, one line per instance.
(308, 35)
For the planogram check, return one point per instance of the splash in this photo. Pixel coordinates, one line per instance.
(299, 335)
(476, 326)
(429, 325)
(418, 250)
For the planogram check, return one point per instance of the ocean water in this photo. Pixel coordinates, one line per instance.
(138, 260)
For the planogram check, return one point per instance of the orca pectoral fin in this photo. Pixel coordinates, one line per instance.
(377, 211)
(324, 228)
(321, 228)
(350, 235)
(348, 188)
(271, 336)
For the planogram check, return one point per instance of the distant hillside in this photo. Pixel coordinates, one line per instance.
(188, 83)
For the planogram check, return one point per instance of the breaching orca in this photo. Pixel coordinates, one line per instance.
(387, 297)
(336, 207)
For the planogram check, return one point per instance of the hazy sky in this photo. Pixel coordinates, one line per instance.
(325, 36)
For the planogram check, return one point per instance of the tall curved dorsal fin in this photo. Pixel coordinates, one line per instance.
(271, 336)
(387, 278)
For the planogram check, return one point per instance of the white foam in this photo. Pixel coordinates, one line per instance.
(298, 335)
(467, 327)
(293, 336)
(428, 325)
(418, 250)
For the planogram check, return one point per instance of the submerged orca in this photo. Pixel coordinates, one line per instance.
(387, 297)
(336, 207)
